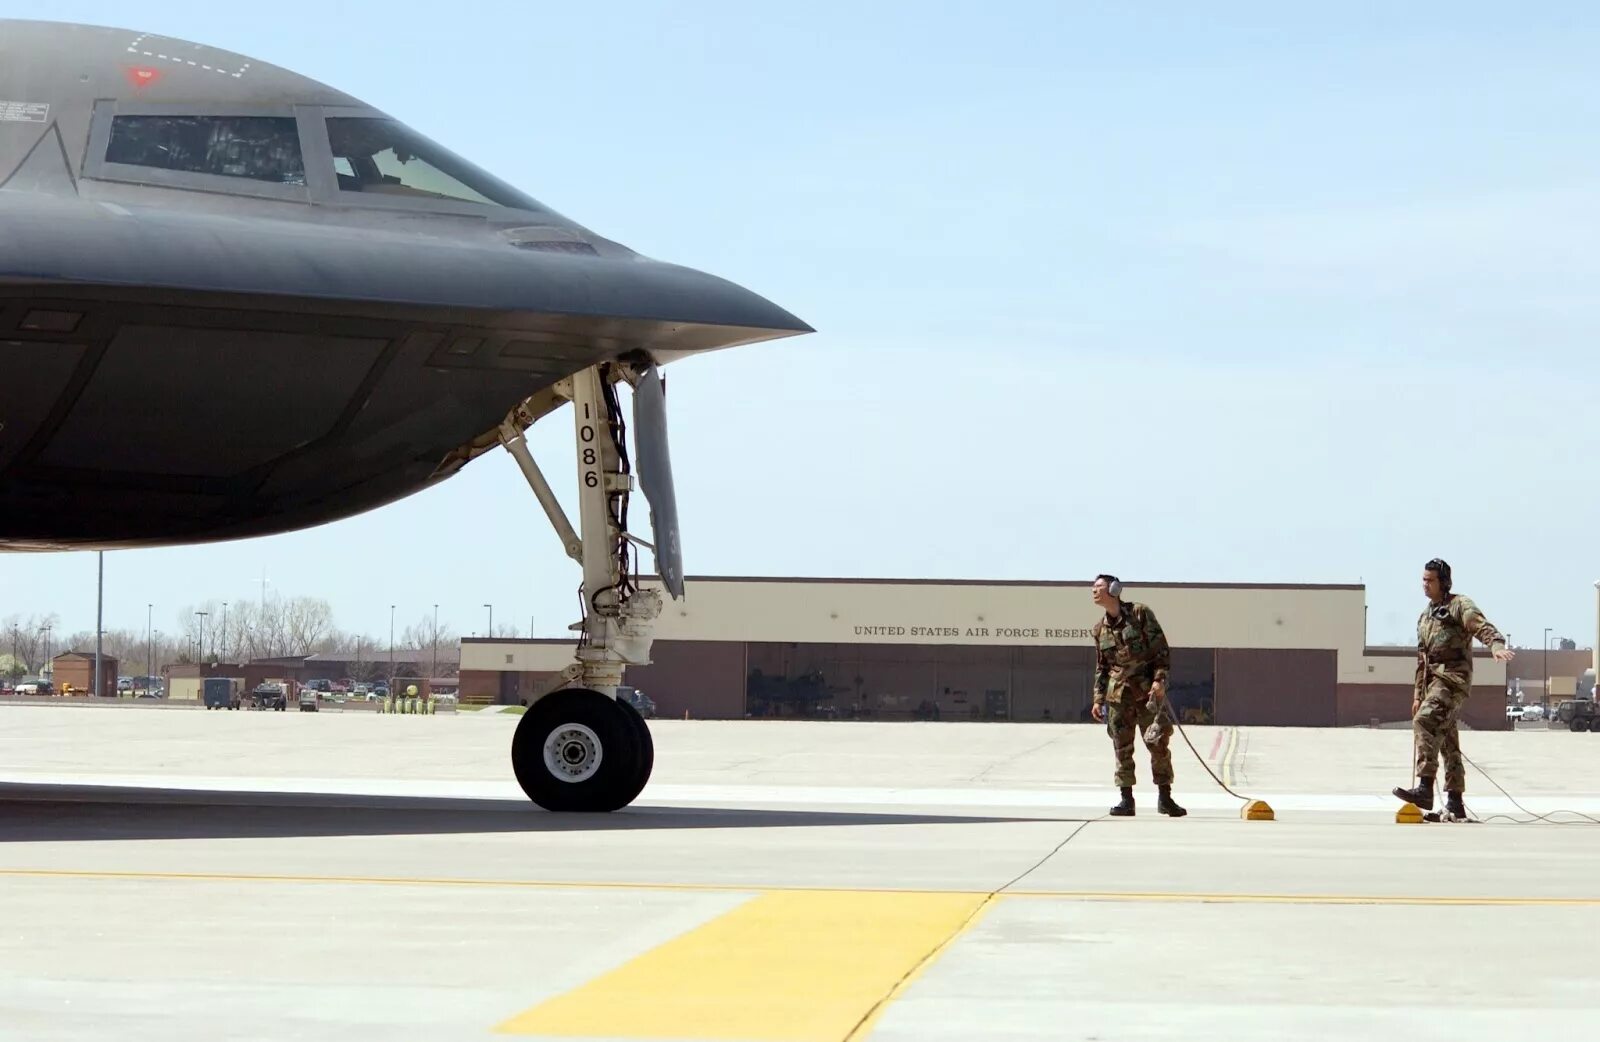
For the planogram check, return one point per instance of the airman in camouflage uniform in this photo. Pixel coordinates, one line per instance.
(1445, 632)
(1132, 662)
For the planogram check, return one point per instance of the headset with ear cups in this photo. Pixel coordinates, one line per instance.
(1439, 567)
(1113, 586)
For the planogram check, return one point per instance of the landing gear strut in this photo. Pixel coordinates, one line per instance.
(579, 747)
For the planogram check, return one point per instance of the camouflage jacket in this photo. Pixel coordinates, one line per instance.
(1444, 640)
(1130, 649)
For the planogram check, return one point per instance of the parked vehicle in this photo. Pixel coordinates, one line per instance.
(221, 692)
(308, 698)
(639, 700)
(270, 696)
(1578, 715)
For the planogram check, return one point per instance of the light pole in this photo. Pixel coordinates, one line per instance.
(1547, 631)
(491, 620)
(224, 633)
(47, 661)
(391, 643)
(1595, 692)
(200, 644)
(433, 671)
(149, 644)
(99, 621)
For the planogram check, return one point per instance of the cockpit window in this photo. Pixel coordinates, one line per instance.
(261, 148)
(384, 157)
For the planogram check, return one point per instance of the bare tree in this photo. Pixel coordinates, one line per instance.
(25, 639)
(426, 637)
(308, 621)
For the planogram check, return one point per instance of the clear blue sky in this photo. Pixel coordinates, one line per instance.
(1223, 292)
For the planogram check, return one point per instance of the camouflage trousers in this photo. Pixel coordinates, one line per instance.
(1435, 730)
(1130, 717)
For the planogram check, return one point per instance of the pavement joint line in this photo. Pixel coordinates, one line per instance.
(864, 1028)
(1108, 896)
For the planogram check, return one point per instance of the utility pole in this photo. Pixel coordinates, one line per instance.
(491, 620)
(200, 641)
(149, 645)
(391, 643)
(1547, 631)
(224, 633)
(434, 669)
(99, 622)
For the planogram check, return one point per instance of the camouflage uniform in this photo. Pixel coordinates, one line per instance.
(1444, 680)
(1131, 653)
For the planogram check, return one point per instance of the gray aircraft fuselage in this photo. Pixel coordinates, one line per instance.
(235, 302)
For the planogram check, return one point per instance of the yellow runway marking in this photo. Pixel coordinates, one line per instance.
(794, 966)
(247, 877)
(1299, 899)
(870, 1021)
(1174, 896)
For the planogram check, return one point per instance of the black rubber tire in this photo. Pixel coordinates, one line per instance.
(647, 749)
(1580, 724)
(614, 782)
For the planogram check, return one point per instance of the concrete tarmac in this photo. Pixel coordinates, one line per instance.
(184, 875)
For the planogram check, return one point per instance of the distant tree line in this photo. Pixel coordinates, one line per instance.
(274, 627)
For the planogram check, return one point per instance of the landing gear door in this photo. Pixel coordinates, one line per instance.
(655, 477)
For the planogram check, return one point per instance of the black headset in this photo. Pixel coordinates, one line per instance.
(1441, 568)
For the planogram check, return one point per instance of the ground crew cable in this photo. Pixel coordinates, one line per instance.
(1409, 813)
(1548, 818)
(1253, 809)
(864, 1026)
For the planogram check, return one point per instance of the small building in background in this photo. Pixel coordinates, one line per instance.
(75, 669)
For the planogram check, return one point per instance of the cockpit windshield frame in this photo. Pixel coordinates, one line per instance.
(97, 167)
(321, 114)
(321, 186)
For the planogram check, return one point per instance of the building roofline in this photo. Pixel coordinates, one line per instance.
(1067, 583)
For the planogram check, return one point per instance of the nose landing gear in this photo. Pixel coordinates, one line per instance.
(579, 747)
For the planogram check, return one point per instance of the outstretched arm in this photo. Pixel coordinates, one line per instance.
(1478, 626)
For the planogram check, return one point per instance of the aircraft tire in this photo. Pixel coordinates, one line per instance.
(647, 749)
(577, 750)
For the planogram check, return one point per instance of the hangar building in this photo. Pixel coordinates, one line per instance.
(886, 649)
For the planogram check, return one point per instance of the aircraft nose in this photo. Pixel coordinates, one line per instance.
(713, 299)
(658, 287)
(696, 311)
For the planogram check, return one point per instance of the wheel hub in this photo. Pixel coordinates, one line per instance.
(572, 753)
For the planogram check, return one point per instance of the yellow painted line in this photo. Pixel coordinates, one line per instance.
(246, 877)
(1295, 899)
(795, 966)
(1227, 757)
(1174, 896)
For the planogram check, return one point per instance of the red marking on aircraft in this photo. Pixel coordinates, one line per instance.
(143, 75)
